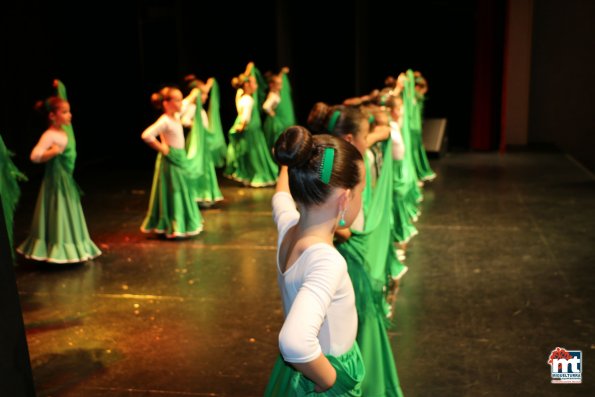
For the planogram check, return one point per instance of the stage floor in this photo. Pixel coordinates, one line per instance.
(499, 276)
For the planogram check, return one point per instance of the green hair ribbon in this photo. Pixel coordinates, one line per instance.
(332, 122)
(326, 165)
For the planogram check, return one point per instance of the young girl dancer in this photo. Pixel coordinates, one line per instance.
(249, 159)
(58, 231)
(278, 106)
(172, 209)
(325, 176)
(367, 247)
(9, 188)
(207, 190)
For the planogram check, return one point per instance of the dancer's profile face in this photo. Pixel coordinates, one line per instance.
(360, 140)
(62, 115)
(354, 201)
(174, 102)
(276, 84)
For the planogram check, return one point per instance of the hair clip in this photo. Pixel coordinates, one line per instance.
(333, 120)
(326, 164)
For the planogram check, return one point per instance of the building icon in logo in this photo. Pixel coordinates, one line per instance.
(566, 365)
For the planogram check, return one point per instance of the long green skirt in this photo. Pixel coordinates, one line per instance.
(202, 168)
(285, 381)
(207, 189)
(58, 231)
(10, 191)
(273, 128)
(381, 372)
(249, 159)
(420, 158)
(404, 205)
(172, 207)
(406, 188)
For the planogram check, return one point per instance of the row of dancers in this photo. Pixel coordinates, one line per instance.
(185, 168)
(354, 163)
(338, 261)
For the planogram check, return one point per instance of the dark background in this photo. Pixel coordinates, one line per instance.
(112, 56)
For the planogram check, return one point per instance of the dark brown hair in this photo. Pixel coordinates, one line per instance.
(324, 120)
(302, 153)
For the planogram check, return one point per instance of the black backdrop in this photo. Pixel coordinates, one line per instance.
(111, 56)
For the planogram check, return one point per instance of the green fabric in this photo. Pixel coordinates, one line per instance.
(172, 209)
(367, 192)
(285, 109)
(205, 185)
(405, 173)
(403, 227)
(11, 192)
(381, 378)
(59, 231)
(327, 162)
(371, 260)
(285, 381)
(380, 254)
(261, 91)
(249, 159)
(413, 111)
(61, 92)
(284, 114)
(215, 138)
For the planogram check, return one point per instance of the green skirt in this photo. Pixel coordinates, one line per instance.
(381, 372)
(420, 158)
(273, 128)
(172, 207)
(10, 191)
(406, 188)
(403, 228)
(285, 381)
(207, 190)
(249, 159)
(59, 231)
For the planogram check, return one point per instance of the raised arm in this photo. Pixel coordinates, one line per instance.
(249, 67)
(283, 180)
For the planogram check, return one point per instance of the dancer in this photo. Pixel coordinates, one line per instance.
(249, 160)
(58, 231)
(172, 210)
(413, 113)
(404, 179)
(9, 188)
(206, 187)
(325, 176)
(278, 106)
(368, 251)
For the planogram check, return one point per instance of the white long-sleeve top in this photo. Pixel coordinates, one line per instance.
(398, 148)
(318, 297)
(244, 105)
(169, 130)
(48, 139)
(271, 103)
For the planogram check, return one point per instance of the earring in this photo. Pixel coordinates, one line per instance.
(342, 220)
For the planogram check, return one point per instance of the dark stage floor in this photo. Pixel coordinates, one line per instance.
(501, 274)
